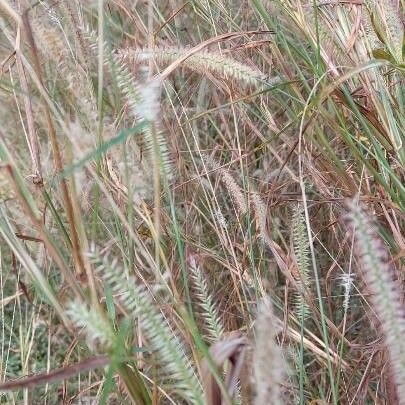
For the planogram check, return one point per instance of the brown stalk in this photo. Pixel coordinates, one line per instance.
(43, 234)
(56, 375)
(32, 140)
(82, 233)
(170, 19)
(29, 238)
(76, 250)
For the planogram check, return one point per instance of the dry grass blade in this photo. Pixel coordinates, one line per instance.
(53, 376)
(228, 354)
(58, 161)
(7, 300)
(32, 140)
(29, 265)
(10, 10)
(31, 211)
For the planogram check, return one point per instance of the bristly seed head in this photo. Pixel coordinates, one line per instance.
(149, 106)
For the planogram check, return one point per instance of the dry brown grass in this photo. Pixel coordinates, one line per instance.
(179, 138)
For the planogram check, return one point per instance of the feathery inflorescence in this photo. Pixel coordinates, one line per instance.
(205, 302)
(202, 62)
(377, 273)
(144, 102)
(97, 328)
(301, 253)
(269, 367)
(234, 190)
(346, 281)
(162, 339)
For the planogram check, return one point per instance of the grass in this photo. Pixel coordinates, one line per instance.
(202, 202)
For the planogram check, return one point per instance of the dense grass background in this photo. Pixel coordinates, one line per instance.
(202, 202)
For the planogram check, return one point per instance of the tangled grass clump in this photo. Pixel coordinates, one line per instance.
(206, 148)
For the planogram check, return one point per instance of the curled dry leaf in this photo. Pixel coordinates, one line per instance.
(229, 352)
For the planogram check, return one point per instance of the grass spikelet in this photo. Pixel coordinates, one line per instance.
(301, 252)
(261, 224)
(204, 61)
(261, 215)
(161, 337)
(50, 42)
(269, 368)
(233, 188)
(386, 297)
(143, 100)
(97, 327)
(372, 38)
(219, 216)
(99, 331)
(209, 312)
(346, 281)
